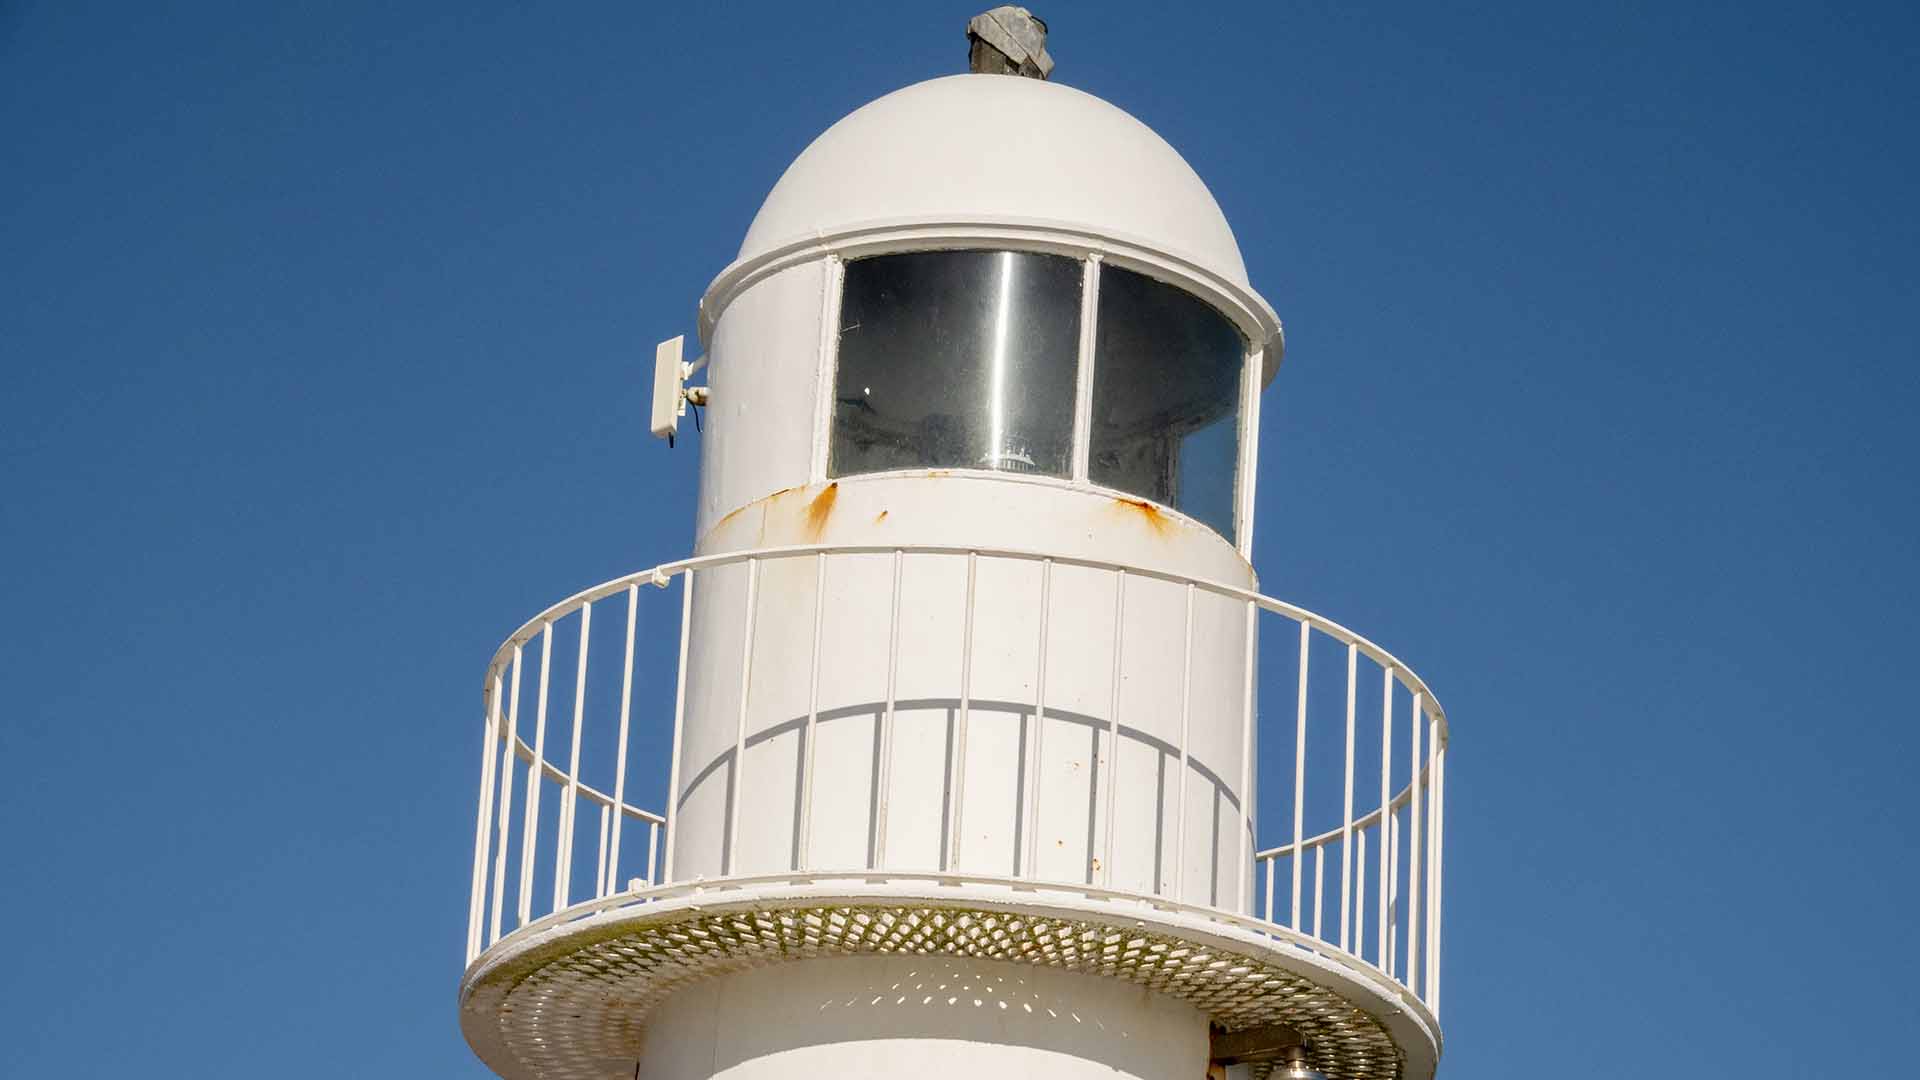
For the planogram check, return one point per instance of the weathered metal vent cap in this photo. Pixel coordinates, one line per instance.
(1008, 41)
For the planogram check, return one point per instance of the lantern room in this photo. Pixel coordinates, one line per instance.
(986, 278)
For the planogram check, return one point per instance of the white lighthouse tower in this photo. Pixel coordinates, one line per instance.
(966, 729)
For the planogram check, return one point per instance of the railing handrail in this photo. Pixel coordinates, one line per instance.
(660, 576)
(1397, 899)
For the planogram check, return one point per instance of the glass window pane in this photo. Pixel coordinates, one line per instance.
(1166, 397)
(957, 360)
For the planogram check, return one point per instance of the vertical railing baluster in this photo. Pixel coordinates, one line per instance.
(1386, 770)
(1439, 883)
(1413, 850)
(1346, 812)
(653, 843)
(1300, 773)
(1390, 930)
(530, 837)
(1247, 660)
(1031, 842)
(958, 807)
(1186, 709)
(1113, 722)
(563, 858)
(737, 788)
(1360, 893)
(1433, 841)
(1269, 901)
(885, 764)
(512, 739)
(612, 882)
(672, 809)
(483, 824)
(1319, 870)
(804, 857)
(600, 858)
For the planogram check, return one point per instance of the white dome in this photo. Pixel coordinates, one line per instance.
(995, 149)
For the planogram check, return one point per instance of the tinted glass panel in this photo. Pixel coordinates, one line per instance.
(1166, 396)
(957, 359)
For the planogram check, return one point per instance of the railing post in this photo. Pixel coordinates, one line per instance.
(1247, 662)
(885, 764)
(530, 836)
(510, 738)
(1390, 931)
(959, 800)
(1433, 840)
(1386, 808)
(1186, 709)
(610, 881)
(1031, 841)
(653, 843)
(1413, 852)
(1360, 894)
(483, 834)
(803, 858)
(563, 858)
(1300, 772)
(1439, 884)
(600, 856)
(672, 810)
(1319, 870)
(1346, 812)
(740, 727)
(1113, 722)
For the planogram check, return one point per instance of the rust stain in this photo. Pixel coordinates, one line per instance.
(1156, 519)
(820, 509)
(737, 511)
(731, 514)
(879, 517)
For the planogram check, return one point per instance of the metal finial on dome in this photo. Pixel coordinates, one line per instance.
(1008, 40)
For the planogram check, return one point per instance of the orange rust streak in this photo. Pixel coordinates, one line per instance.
(1156, 520)
(737, 511)
(820, 509)
(880, 517)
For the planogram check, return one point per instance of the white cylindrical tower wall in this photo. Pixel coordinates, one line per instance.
(888, 785)
(981, 716)
(1075, 734)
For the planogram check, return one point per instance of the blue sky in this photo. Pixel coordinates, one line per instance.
(326, 329)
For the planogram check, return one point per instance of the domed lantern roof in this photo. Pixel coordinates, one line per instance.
(981, 160)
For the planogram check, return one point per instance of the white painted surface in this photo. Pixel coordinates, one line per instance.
(988, 148)
(759, 428)
(889, 786)
(928, 1018)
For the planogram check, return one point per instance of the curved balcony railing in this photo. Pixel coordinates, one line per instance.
(1358, 878)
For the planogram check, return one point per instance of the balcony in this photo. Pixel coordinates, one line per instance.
(577, 746)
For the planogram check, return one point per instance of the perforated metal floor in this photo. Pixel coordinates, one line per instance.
(568, 1001)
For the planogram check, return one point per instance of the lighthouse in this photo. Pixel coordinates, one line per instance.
(976, 695)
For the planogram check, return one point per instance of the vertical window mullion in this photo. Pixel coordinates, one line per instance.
(1083, 387)
(1243, 481)
(834, 274)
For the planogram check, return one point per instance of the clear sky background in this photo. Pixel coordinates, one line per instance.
(325, 331)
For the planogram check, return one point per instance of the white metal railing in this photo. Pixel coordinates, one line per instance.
(1394, 844)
